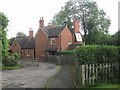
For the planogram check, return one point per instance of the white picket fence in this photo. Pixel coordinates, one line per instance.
(88, 74)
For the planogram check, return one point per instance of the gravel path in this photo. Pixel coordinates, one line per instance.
(62, 79)
(28, 77)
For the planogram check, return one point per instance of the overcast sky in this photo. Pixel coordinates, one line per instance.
(25, 14)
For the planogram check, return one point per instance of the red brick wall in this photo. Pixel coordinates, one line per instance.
(27, 53)
(40, 44)
(16, 48)
(22, 52)
(57, 42)
(76, 25)
(66, 38)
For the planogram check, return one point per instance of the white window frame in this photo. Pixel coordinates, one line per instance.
(52, 41)
(78, 37)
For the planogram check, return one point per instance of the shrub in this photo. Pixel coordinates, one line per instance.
(11, 60)
(91, 54)
(97, 53)
(64, 53)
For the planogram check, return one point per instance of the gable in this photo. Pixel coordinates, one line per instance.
(15, 43)
(25, 43)
(40, 29)
(66, 31)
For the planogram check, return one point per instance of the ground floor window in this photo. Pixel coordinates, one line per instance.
(28, 53)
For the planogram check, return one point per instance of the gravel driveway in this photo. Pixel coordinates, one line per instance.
(28, 77)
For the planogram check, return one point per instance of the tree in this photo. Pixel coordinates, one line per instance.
(3, 24)
(11, 40)
(116, 38)
(92, 18)
(20, 35)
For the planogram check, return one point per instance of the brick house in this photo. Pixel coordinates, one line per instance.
(50, 39)
(25, 47)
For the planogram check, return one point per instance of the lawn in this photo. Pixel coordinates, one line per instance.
(10, 67)
(108, 86)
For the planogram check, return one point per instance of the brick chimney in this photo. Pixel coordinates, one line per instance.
(50, 25)
(76, 25)
(30, 33)
(41, 22)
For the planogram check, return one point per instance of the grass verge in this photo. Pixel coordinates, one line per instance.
(108, 86)
(10, 67)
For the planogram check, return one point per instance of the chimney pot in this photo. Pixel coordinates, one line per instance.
(31, 33)
(41, 22)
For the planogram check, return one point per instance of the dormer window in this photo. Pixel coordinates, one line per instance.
(52, 41)
(78, 37)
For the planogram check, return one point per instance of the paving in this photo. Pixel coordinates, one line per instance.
(63, 79)
(34, 75)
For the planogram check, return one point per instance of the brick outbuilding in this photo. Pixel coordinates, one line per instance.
(24, 46)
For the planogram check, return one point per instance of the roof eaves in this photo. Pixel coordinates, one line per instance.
(43, 31)
(14, 42)
(62, 30)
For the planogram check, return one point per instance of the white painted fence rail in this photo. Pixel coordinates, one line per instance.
(89, 74)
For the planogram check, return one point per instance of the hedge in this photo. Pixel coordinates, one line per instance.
(97, 53)
(64, 53)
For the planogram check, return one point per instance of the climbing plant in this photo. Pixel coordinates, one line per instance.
(3, 31)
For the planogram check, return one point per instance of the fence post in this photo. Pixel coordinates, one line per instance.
(82, 74)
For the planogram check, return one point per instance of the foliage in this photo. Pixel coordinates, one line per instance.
(106, 85)
(3, 25)
(64, 53)
(11, 60)
(93, 20)
(3, 21)
(11, 67)
(116, 38)
(0, 53)
(102, 85)
(97, 53)
(20, 35)
(11, 40)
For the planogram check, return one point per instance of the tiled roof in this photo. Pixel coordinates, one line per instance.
(51, 49)
(72, 30)
(53, 31)
(26, 43)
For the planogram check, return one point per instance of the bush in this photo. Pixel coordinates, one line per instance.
(64, 53)
(100, 54)
(11, 67)
(97, 54)
(11, 60)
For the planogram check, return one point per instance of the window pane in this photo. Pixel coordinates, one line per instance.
(78, 37)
